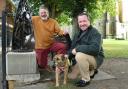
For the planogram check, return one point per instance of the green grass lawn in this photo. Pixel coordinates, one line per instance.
(115, 48)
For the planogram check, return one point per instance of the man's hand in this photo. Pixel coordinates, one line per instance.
(74, 51)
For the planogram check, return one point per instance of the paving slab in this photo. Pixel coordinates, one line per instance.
(103, 75)
(35, 86)
(100, 76)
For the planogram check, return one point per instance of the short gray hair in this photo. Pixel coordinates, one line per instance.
(43, 7)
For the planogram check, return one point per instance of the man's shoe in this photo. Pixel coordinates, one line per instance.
(82, 83)
(95, 72)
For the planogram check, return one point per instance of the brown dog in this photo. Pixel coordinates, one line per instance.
(61, 65)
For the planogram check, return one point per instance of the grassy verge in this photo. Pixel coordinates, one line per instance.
(115, 48)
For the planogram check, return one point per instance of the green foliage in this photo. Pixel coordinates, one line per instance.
(110, 6)
(95, 8)
(64, 19)
(34, 5)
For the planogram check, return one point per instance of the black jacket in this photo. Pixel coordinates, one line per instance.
(89, 42)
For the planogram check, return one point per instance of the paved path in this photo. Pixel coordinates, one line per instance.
(100, 76)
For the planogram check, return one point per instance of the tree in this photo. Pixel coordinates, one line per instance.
(62, 9)
(34, 5)
(72, 7)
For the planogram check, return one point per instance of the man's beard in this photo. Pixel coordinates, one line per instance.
(44, 18)
(83, 28)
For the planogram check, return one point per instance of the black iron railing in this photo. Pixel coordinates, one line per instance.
(4, 81)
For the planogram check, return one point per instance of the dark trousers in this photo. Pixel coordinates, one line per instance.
(42, 54)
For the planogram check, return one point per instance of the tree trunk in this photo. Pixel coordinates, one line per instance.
(53, 9)
(75, 27)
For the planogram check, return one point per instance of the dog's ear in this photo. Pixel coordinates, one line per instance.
(66, 56)
(61, 55)
(58, 56)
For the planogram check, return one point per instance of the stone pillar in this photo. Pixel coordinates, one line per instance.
(118, 19)
(124, 10)
(108, 33)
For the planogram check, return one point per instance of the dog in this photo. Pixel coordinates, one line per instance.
(61, 66)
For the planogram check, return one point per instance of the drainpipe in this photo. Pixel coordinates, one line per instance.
(4, 81)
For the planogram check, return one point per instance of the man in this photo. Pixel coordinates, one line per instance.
(87, 51)
(44, 30)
